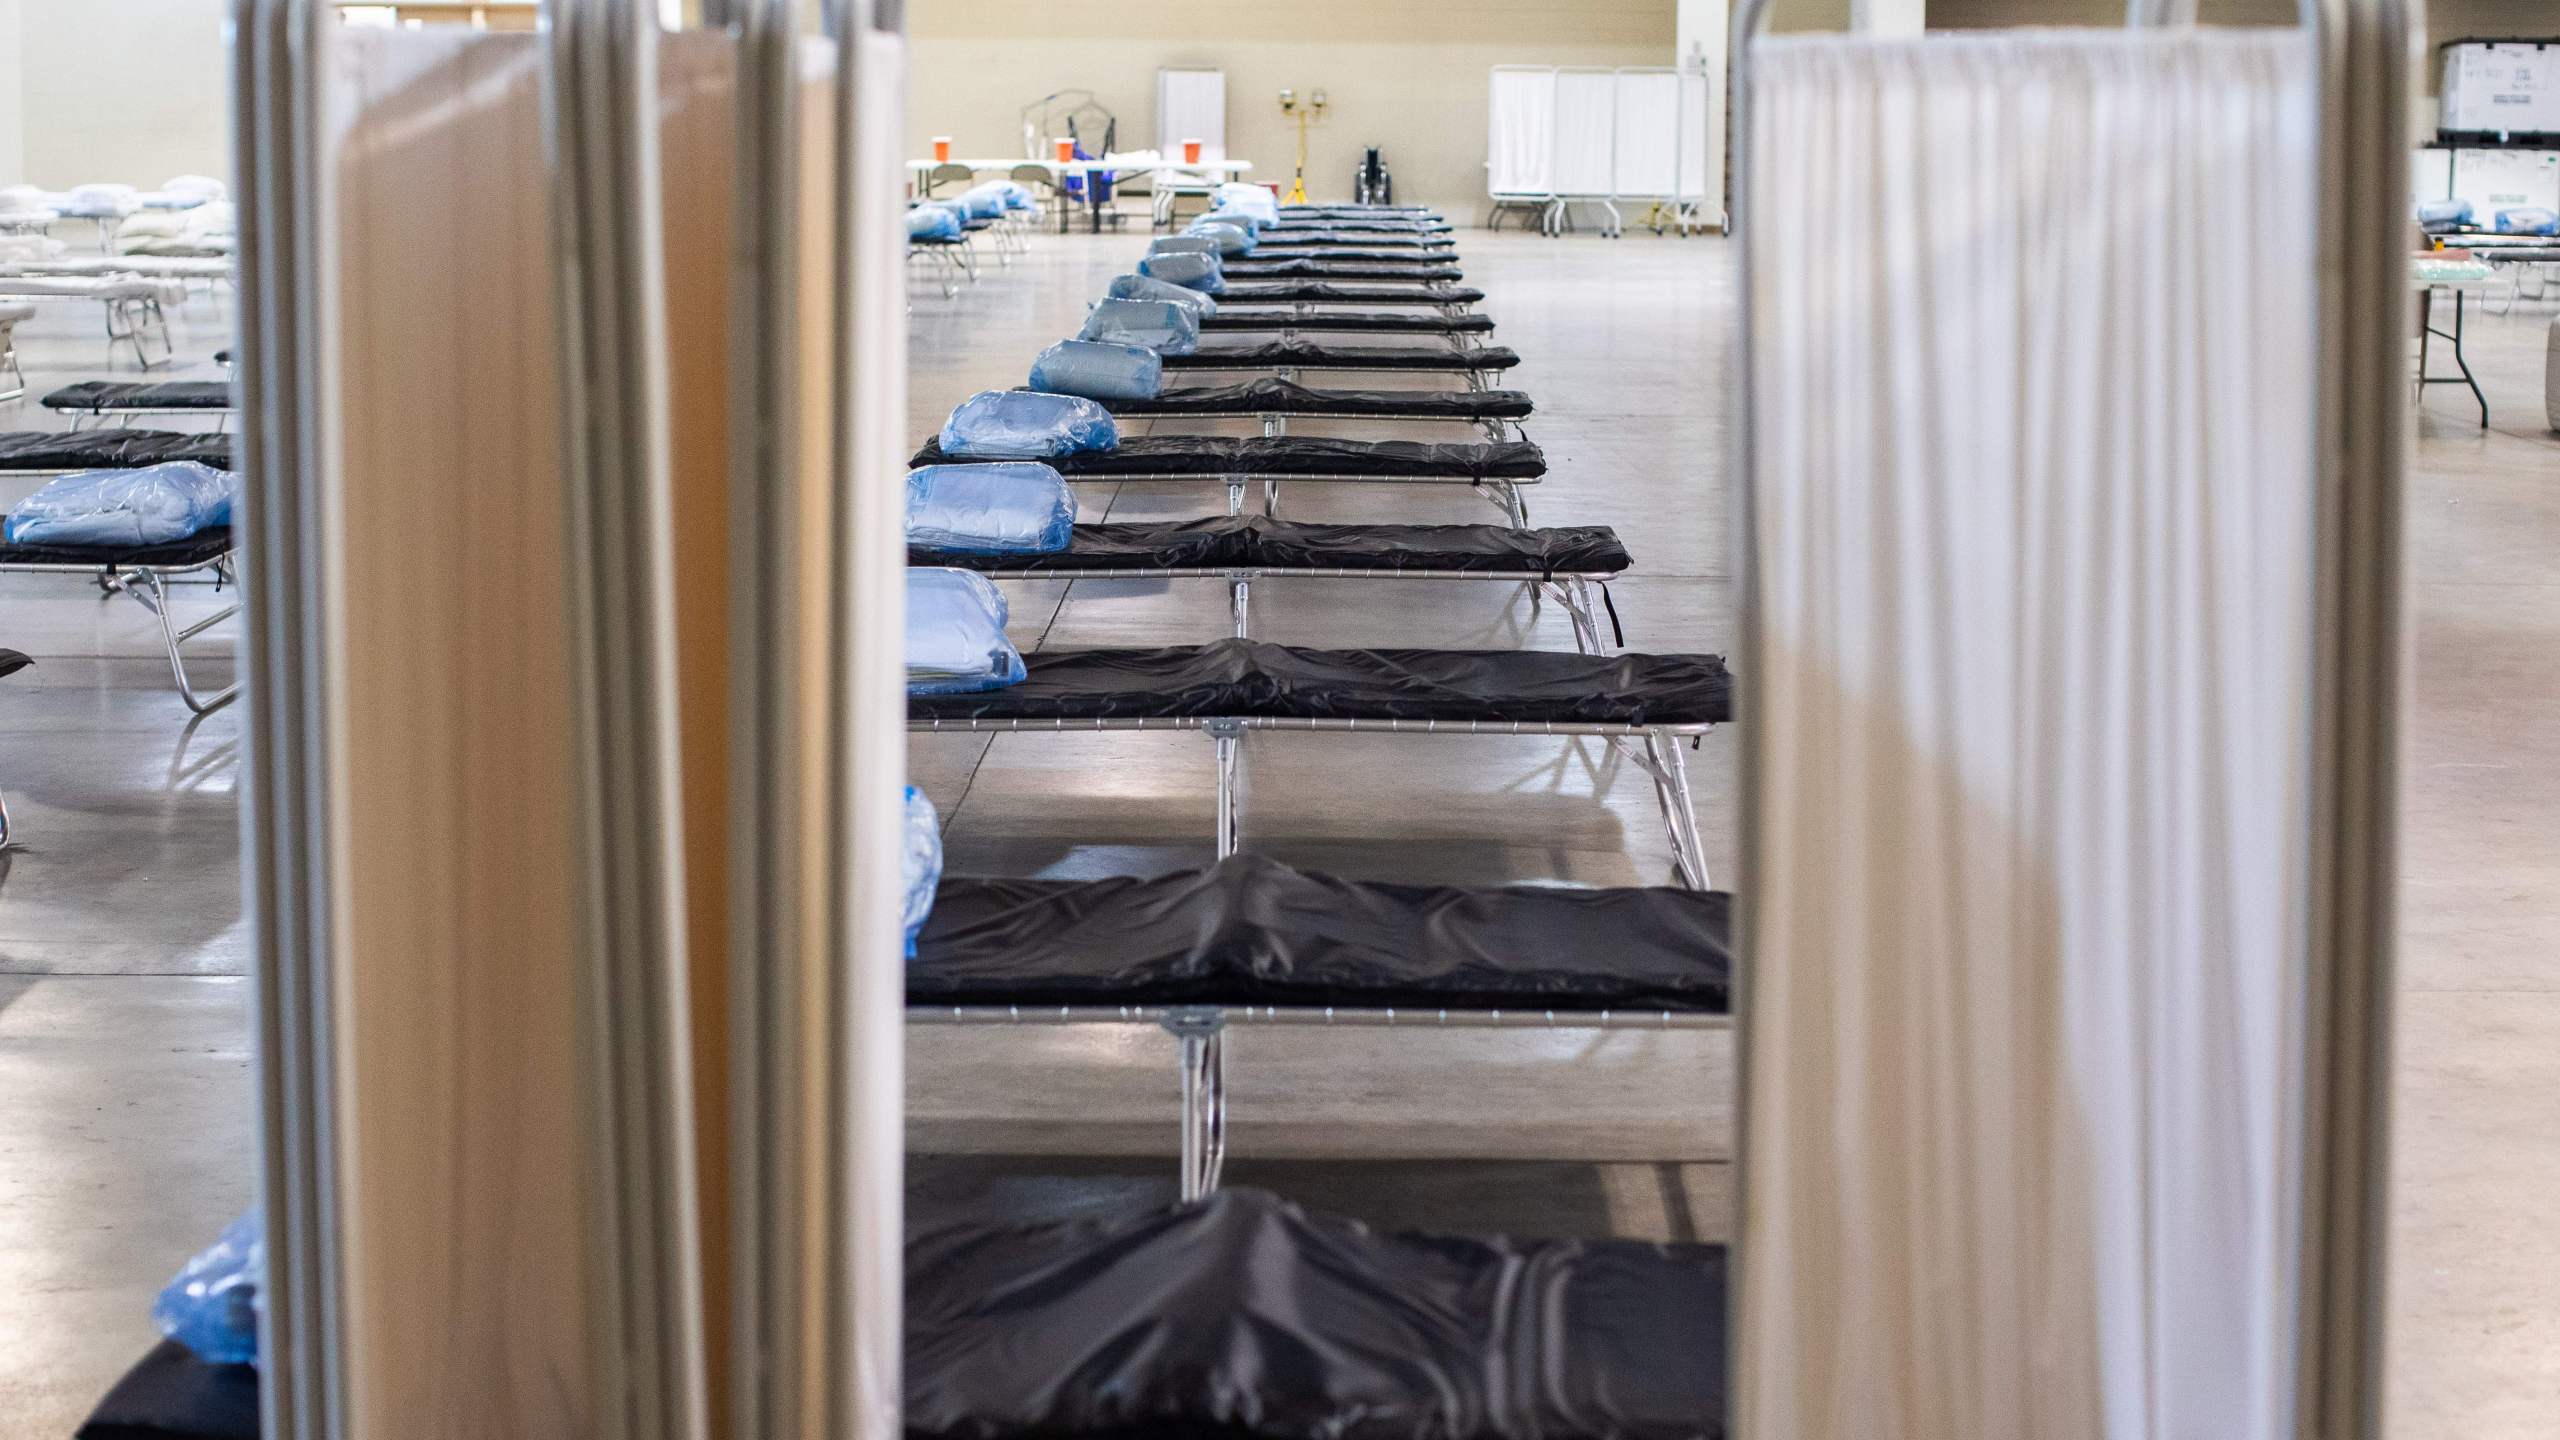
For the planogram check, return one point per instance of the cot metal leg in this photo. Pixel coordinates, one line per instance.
(13, 379)
(1240, 593)
(1228, 736)
(1271, 498)
(152, 593)
(1679, 812)
(1201, 1033)
(1235, 494)
(1586, 634)
(4, 821)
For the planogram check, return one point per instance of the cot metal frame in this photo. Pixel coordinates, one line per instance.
(1654, 749)
(1199, 1033)
(953, 261)
(13, 376)
(148, 586)
(89, 417)
(136, 320)
(1582, 595)
(1275, 423)
(1503, 494)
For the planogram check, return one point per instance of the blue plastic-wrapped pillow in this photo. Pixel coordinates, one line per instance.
(956, 643)
(1244, 219)
(1156, 325)
(1017, 196)
(932, 222)
(1230, 239)
(1026, 425)
(1098, 371)
(1192, 270)
(1141, 287)
(1251, 199)
(1008, 507)
(985, 202)
(2443, 214)
(212, 1305)
(2528, 220)
(150, 506)
(922, 861)
(1183, 245)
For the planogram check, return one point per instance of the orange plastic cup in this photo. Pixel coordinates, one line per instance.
(1066, 150)
(941, 149)
(1191, 152)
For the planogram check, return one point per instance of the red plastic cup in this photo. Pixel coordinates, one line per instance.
(941, 149)
(1066, 151)
(1191, 152)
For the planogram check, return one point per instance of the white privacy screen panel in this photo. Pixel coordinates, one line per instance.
(1695, 153)
(1586, 117)
(1520, 145)
(2033, 535)
(1648, 133)
(1191, 105)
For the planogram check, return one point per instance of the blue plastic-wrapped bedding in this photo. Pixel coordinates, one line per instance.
(1230, 239)
(956, 643)
(212, 1305)
(921, 856)
(1157, 325)
(1098, 370)
(1183, 245)
(1011, 507)
(2443, 214)
(154, 505)
(985, 202)
(1026, 425)
(1188, 269)
(932, 222)
(1141, 287)
(2527, 220)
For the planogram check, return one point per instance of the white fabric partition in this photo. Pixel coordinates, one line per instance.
(1647, 119)
(1697, 151)
(1586, 112)
(1191, 105)
(1520, 145)
(2032, 530)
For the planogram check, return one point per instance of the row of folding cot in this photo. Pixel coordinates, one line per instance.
(1226, 323)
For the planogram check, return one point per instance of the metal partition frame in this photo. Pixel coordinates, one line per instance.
(2360, 677)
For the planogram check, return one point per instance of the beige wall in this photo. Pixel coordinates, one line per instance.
(118, 90)
(1408, 75)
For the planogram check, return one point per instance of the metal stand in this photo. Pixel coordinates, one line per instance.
(149, 589)
(1201, 1033)
(1228, 736)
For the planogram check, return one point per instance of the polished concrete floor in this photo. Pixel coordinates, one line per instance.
(123, 1037)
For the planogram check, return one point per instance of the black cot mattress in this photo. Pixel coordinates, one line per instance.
(1250, 931)
(1258, 542)
(1296, 354)
(25, 450)
(1256, 680)
(1273, 396)
(1238, 1316)
(1414, 272)
(1352, 321)
(200, 548)
(1319, 292)
(1220, 456)
(1284, 241)
(97, 397)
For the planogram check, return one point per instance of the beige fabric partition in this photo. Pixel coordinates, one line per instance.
(465, 1295)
